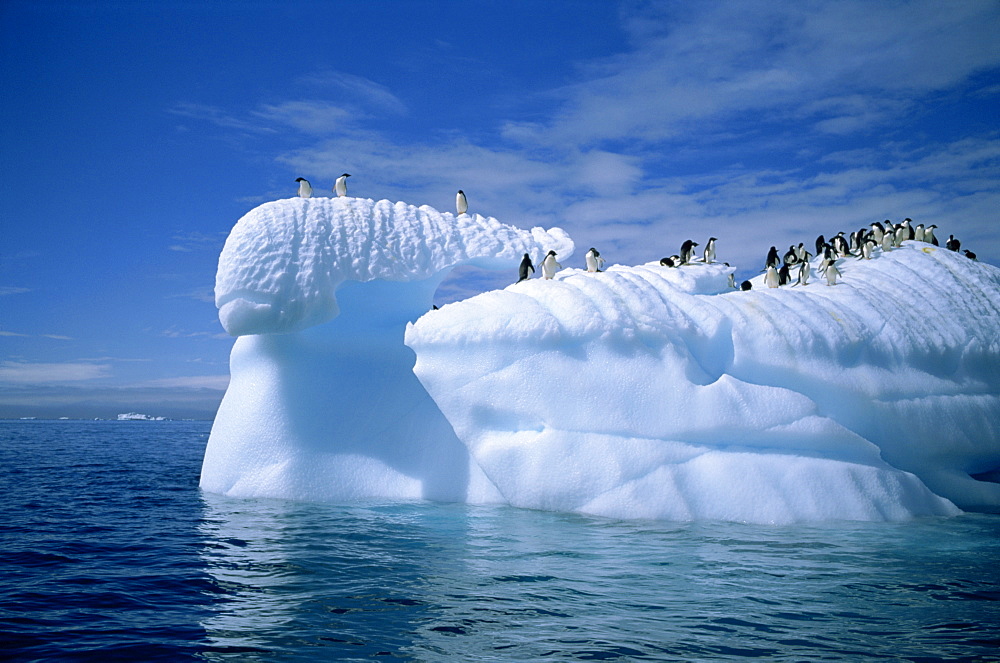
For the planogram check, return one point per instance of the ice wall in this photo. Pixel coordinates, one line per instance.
(658, 392)
(323, 405)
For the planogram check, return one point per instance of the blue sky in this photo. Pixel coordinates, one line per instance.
(135, 135)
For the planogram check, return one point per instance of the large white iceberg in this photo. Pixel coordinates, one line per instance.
(324, 405)
(638, 392)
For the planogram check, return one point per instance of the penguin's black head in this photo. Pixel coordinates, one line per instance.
(552, 253)
(346, 175)
(460, 191)
(300, 179)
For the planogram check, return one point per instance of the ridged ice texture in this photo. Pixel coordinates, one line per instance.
(657, 392)
(284, 260)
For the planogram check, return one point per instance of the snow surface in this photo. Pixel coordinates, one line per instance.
(638, 392)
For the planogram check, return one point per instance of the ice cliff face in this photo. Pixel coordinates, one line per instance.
(638, 392)
(662, 393)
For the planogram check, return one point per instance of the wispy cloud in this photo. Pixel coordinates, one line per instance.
(217, 382)
(196, 241)
(12, 290)
(27, 373)
(57, 337)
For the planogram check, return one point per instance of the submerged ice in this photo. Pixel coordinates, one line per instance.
(636, 392)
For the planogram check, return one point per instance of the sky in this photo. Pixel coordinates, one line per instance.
(135, 135)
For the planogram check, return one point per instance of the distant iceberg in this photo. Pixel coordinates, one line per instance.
(638, 392)
(137, 416)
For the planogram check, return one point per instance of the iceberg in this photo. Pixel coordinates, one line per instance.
(323, 403)
(637, 392)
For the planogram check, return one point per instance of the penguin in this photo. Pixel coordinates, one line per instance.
(877, 231)
(709, 254)
(918, 232)
(746, 285)
(687, 251)
(549, 265)
(969, 254)
(784, 275)
(929, 235)
(952, 244)
(672, 261)
(820, 241)
(340, 186)
(887, 241)
(732, 278)
(791, 256)
(461, 203)
(594, 260)
(840, 245)
(772, 258)
(526, 269)
(801, 253)
(305, 189)
(866, 250)
(901, 235)
(771, 277)
(908, 224)
(804, 274)
(831, 274)
(853, 244)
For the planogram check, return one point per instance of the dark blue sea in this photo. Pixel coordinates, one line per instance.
(109, 551)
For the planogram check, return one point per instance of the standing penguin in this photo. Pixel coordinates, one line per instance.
(791, 256)
(687, 251)
(784, 275)
(771, 279)
(929, 235)
(550, 266)
(305, 189)
(831, 274)
(866, 250)
(709, 254)
(594, 260)
(340, 186)
(918, 232)
(804, 273)
(772, 259)
(952, 244)
(887, 241)
(526, 269)
(461, 203)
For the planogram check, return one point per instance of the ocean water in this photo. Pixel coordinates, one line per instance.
(109, 551)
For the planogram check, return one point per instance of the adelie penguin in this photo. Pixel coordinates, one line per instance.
(969, 254)
(461, 203)
(594, 260)
(831, 274)
(746, 285)
(772, 259)
(340, 186)
(791, 256)
(687, 251)
(305, 189)
(952, 244)
(771, 279)
(709, 253)
(672, 261)
(550, 266)
(526, 269)
(804, 274)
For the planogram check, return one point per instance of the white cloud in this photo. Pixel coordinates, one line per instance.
(12, 290)
(51, 373)
(218, 382)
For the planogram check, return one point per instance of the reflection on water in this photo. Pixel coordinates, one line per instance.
(436, 582)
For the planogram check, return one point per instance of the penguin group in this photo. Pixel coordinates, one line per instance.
(778, 269)
(860, 244)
